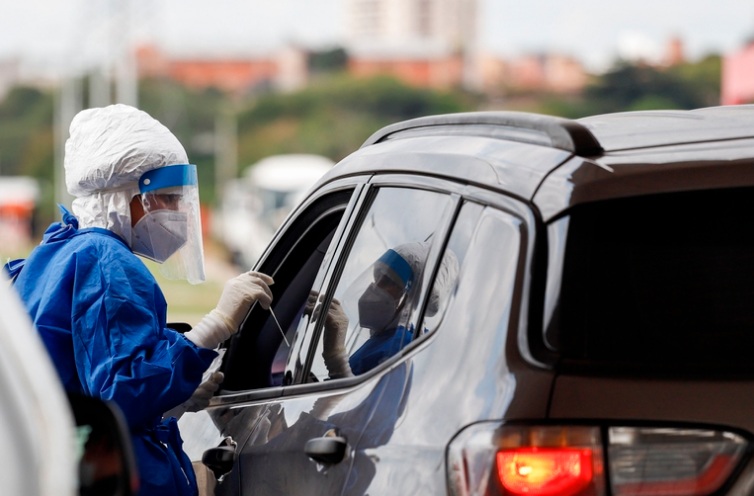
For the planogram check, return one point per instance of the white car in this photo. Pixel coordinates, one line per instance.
(48, 441)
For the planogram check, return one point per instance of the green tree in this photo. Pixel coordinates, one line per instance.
(630, 86)
(702, 79)
(26, 144)
(334, 116)
(642, 87)
(327, 61)
(192, 116)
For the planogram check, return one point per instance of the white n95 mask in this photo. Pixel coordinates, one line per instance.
(377, 308)
(159, 234)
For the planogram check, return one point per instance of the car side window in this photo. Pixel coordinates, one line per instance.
(474, 312)
(256, 356)
(445, 281)
(373, 313)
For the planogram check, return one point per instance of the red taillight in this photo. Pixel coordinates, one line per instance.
(545, 471)
(520, 460)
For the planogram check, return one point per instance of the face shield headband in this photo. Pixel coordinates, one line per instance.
(170, 231)
(168, 177)
(399, 266)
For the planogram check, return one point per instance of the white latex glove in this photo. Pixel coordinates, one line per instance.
(200, 399)
(239, 294)
(334, 339)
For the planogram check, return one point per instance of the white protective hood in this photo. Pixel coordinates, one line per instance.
(108, 150)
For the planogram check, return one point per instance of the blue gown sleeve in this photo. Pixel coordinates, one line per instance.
(123, 350)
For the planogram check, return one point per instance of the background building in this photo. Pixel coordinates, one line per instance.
(284, 69)
(738, 76)
(451, 24)
(423, 42)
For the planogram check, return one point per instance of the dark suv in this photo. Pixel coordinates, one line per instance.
(505, 303)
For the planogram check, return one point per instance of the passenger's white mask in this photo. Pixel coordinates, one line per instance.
(159, 234)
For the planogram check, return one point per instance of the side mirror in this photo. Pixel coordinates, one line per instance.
(106, 465)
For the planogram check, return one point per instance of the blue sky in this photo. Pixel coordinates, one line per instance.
(50, 32)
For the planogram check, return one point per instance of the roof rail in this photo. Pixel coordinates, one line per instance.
(557, 132)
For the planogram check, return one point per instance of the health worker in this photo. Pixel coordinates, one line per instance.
(99, 310)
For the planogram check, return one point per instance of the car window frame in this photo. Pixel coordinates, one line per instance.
(532, 273)
(444, 229)
(289, 234)
(392, 179)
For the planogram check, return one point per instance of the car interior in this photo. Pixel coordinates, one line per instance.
(256, 356)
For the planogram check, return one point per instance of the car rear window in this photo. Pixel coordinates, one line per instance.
(659, 283)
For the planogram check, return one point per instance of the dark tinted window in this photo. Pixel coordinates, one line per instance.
(660, 282)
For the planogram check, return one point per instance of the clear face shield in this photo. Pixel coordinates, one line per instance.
(170, 232)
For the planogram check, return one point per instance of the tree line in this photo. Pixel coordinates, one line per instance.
(334, 115)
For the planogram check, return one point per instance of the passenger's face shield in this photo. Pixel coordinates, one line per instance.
(170, 232)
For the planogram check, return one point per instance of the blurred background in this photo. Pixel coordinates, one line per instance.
(262, 92)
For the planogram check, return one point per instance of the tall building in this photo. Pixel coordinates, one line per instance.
(425, 42)
(450, 24)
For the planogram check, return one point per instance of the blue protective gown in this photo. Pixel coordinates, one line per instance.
(102, 317)
(379, 348)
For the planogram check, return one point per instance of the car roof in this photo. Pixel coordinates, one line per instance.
(556, 163)
(595, 135)
(659, 128)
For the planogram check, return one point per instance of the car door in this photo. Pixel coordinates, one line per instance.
(254, 359)
(293, 428)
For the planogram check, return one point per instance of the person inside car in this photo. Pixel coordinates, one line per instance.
(98, 309)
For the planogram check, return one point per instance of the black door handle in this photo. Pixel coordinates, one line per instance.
(328, 449)
(220, 459)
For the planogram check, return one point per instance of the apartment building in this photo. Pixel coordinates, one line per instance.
(431, 43)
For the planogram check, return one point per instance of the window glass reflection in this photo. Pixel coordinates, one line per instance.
(446, 279)
(371, 317)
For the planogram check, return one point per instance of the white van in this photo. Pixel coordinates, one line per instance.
(255, 205)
